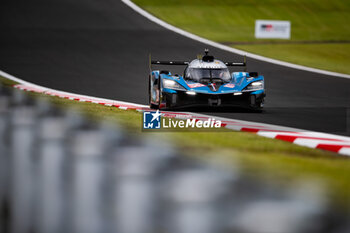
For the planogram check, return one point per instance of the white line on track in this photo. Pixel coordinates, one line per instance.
(227, 48)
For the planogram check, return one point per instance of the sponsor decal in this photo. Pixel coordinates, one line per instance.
(194, 85)
(153, 120)
(230, 85)
(209, 66)
(272, 29)
(267, 27)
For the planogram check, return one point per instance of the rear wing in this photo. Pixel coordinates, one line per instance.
(178, 63)
(185, 63)
(236, 63)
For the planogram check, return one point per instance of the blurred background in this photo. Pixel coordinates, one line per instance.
(67, 166)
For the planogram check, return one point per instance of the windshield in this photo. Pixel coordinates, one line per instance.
(196, 74)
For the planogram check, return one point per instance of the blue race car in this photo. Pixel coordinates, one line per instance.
(206, 82)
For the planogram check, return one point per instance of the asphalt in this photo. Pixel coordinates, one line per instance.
(101, 48)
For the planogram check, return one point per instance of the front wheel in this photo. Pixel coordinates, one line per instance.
(151, 105)
(256, 105)
(154, 106)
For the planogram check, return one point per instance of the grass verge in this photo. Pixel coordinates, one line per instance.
(230, 21)
(268, 159)
(334, 57)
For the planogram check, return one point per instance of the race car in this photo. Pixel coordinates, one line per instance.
(206, 82)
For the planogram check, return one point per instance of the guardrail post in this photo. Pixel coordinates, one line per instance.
(87, 149)
(283, 212)
(51, 184)
(4, 160)
(134, 191)
(22, 145)
(192, 199)
(4, 122)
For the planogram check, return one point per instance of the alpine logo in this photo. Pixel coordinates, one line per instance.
(212, 86)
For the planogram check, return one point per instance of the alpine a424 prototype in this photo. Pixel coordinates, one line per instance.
(205, 82)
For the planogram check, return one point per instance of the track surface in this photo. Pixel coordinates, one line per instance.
(101, 48)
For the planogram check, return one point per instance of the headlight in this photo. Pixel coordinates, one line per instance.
(255, 86)
(171, 84)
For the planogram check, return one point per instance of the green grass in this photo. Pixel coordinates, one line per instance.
(334, 57)
(273, 160)
(231, 21)
(262, 158)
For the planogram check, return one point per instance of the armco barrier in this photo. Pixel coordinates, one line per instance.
(62, 173)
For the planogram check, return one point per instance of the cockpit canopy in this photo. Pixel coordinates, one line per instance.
(207, 75)
(207, 70)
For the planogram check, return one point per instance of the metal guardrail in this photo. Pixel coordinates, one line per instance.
(61, 173)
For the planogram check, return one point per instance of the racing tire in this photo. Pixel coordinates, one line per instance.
(152, 106)
(257, 106)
